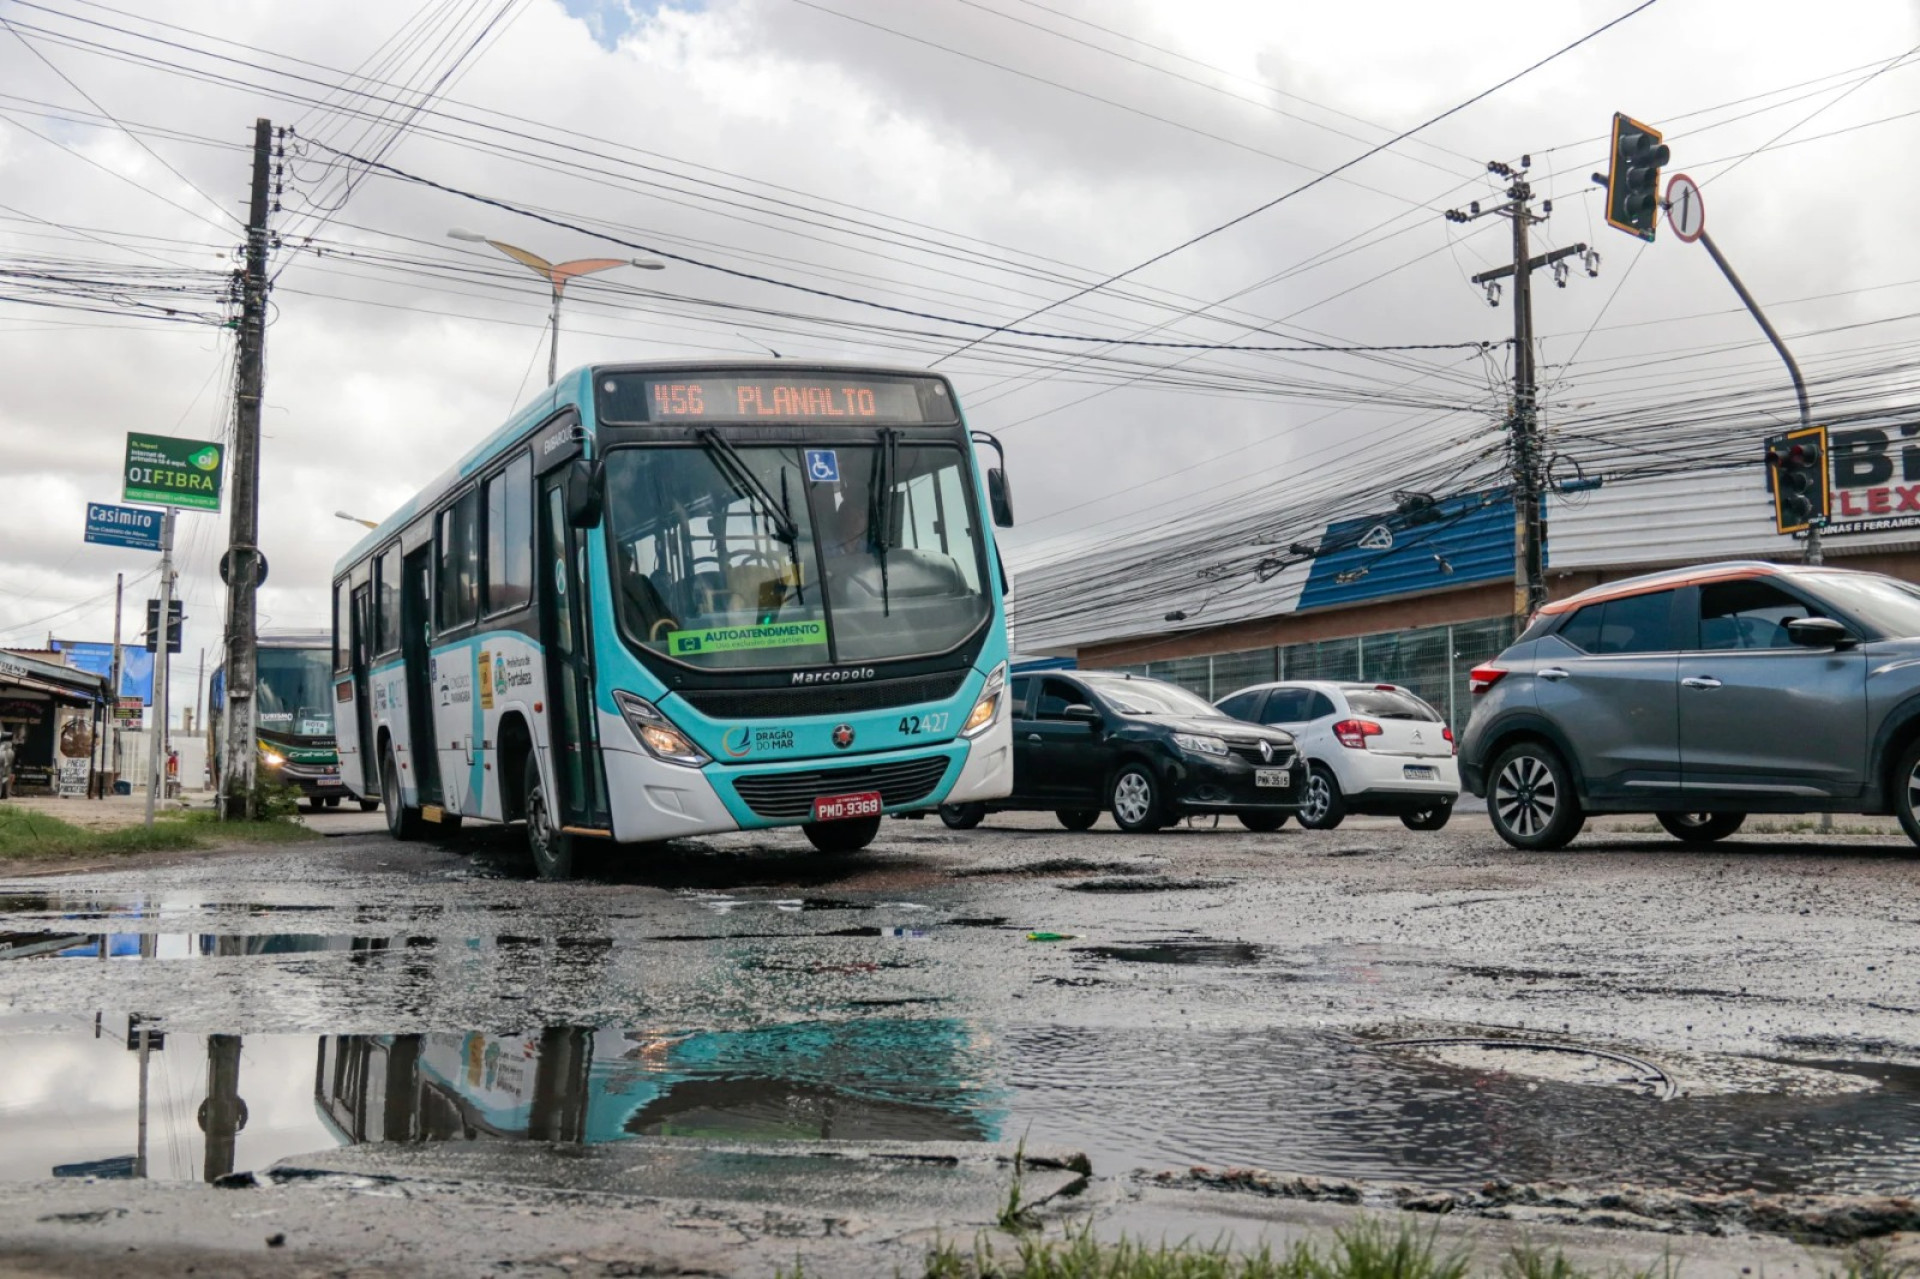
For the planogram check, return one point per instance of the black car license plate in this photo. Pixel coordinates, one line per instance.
(1272, 777)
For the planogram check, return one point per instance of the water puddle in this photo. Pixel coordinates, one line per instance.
(169, 946)
(1179, 950)
(216, 1104)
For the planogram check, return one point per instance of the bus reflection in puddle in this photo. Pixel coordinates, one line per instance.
(861, 1081)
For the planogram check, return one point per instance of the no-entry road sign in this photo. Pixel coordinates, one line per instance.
(1686, 210)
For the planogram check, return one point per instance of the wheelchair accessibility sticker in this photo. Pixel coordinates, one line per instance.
(823, 466)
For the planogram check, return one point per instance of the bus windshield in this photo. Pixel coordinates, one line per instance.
(296, 691)
(738, 555)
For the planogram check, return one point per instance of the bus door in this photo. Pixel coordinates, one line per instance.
(573, 734)
(416, 600)
(365, 775)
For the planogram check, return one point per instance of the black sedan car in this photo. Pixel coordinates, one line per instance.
(1149, 752)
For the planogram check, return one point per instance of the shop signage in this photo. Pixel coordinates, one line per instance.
(1875, 474)
(168, 471)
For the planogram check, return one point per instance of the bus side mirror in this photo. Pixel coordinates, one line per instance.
(1000, 497)
(583, 493)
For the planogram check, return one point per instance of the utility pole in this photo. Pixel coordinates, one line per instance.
(1528, 465)
(243, 554)
(163, 635)
(113, 725)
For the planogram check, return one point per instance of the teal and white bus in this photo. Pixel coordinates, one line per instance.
(676, 599)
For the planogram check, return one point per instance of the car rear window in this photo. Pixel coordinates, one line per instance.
(1381, 704)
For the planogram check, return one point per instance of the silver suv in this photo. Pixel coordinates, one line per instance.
(1702, 695)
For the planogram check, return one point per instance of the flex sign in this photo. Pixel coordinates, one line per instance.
(1876, 479)
(168, 471)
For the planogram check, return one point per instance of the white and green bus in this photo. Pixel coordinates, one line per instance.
(669, 600)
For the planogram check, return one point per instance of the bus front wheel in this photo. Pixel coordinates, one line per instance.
(402, 822)
(843, 836)
(551, 847)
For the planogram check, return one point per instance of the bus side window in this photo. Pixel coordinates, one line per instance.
(510, 537)
(456, 581)
(342, 628)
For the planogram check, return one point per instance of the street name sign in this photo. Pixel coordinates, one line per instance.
(133, 527)
(168, 471)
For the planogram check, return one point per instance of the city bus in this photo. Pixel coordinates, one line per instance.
(676, 599)
(295, 729)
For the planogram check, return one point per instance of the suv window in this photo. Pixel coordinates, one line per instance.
(1382, 704)
(1243, 705)
(1288, 706)
(1055, 696)
(1022, 684)
(1630, 624)
(1749, 614)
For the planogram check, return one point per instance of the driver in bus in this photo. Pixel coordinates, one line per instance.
(846, 528)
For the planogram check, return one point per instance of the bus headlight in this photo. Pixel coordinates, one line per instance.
(656, 732)
(987, 709)
(271, 757)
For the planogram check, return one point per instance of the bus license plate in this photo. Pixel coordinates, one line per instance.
(839, 808)
(1272, 777)
(1421, 772)
(328, 779)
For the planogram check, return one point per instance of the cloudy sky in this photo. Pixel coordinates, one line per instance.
(935, 166)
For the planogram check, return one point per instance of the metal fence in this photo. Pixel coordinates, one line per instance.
(1433, 661)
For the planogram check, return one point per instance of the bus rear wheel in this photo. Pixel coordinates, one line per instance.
(402, 822)
(552, 848)
(842, 837)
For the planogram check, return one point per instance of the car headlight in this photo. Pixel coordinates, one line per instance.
(1199, 745)
(656, 732)
(987, 709)
(271, 757)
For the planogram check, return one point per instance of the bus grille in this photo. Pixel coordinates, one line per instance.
(830, 699)
(792, 794)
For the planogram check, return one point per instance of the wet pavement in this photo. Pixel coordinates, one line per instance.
(1367, 1003)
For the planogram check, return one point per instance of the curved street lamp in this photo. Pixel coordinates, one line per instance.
(556, 274)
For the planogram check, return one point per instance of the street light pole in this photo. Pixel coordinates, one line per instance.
(555, 274)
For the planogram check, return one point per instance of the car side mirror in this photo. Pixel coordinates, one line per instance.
(1820, 632)
(1000, 497)
(1082, 712)
(583, 493)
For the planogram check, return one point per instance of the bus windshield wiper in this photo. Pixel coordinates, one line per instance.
(886, 468)
(742, 477)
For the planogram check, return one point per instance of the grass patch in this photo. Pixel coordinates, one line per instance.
(1369, 1250)
(27, 835)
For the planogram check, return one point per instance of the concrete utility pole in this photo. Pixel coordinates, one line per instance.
(1529, 467)
(162, 637)
(113, 726)
(237, 768)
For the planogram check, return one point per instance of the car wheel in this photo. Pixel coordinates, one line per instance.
(1700, 828)
(1323, 807)
(1135, 800)
(1263, 823)
(316, 805)
(963, 816)
(368, 805)
(1428, 818)
(551, 847)
(1906, 791)
(842, 837)
(1531, 802)
(1078, 818)
(402, 822)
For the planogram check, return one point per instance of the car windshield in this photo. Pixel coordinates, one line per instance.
(1389, 703)
(1888, 605)
(296, 691)
(744, 555)
(1151, 697)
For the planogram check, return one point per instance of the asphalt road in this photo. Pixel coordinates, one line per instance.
(1732, 1018)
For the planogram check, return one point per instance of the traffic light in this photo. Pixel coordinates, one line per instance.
(1797, 473)
(1633, 177)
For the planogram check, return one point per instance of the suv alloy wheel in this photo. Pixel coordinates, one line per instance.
(1531, 799)
(1136, 800)
(1700, 828)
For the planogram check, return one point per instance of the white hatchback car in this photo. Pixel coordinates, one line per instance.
(1371, 748)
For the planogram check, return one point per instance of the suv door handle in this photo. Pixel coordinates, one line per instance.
(1034, 737)
(1701, 681)
(1555, 673)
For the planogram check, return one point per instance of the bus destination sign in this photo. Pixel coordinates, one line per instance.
(799, 397)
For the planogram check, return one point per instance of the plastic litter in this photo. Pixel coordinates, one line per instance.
(1051, 937)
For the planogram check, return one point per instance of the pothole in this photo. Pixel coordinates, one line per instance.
(1545, 1061)
(1197, 951)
